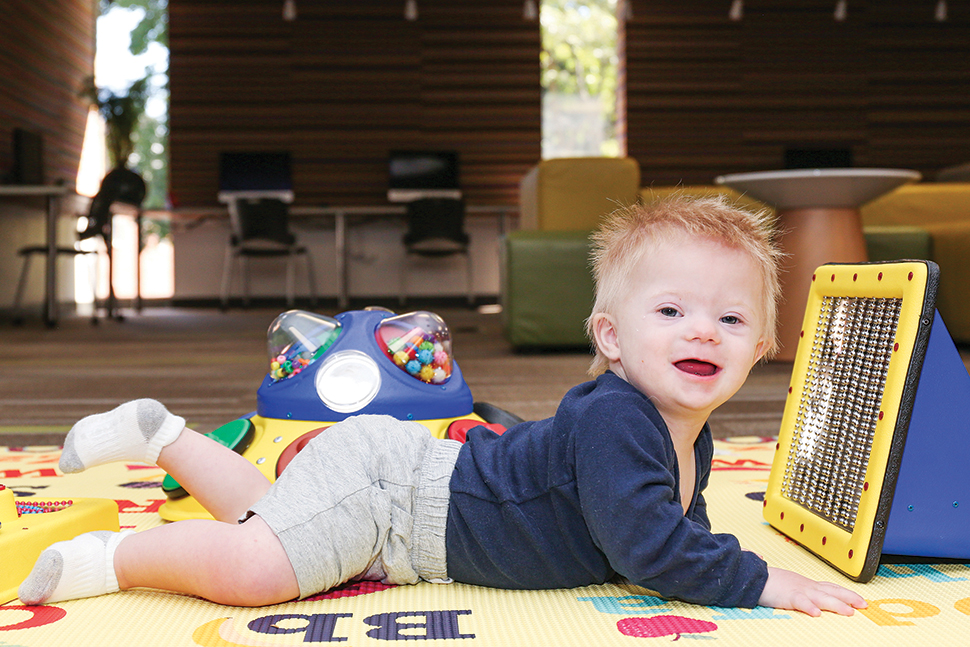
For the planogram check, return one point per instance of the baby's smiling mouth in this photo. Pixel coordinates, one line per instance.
(697, 367)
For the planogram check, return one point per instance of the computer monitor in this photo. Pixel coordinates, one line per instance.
(422, 174)
(835, 157)
(28, 157)
(260, 174)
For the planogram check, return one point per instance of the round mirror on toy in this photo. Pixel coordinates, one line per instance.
(348, 381)
(419, 343)
(296, 339)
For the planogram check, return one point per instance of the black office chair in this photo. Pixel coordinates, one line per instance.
(436, 228)
(120, 185)
(260, 229)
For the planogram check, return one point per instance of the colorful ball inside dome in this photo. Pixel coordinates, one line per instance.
(418, 343)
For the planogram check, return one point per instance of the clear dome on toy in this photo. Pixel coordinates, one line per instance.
(296, 339)
(419, 343)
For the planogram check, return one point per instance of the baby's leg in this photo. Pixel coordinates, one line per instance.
(236, 564)
(224, 482)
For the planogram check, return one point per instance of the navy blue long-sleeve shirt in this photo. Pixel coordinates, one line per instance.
(591, 492)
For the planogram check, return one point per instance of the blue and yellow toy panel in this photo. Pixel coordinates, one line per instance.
(325, 369)
(873, 444)
(361, 362)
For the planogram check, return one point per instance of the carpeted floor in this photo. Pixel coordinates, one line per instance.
(206, 366)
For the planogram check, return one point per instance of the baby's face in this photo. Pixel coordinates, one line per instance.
(691, 326)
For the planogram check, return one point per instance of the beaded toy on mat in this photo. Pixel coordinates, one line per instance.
(27, 527)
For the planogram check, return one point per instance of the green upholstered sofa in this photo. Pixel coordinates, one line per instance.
(547, 289)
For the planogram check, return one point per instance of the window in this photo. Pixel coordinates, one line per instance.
(131, 45)
(579, 66)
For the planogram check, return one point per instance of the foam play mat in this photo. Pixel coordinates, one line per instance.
(912, 604)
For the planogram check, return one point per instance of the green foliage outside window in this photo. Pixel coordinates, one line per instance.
(579, 66)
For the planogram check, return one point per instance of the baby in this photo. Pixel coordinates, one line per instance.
(611, 485)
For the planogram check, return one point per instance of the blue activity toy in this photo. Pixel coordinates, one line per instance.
(325, 369)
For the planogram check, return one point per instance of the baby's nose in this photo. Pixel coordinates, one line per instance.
(704, 329)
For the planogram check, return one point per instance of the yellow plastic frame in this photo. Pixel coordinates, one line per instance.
(856, 554)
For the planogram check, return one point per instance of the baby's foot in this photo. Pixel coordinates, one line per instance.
(134, 431)
(80, 568)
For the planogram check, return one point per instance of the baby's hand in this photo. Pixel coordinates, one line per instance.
(788, 590)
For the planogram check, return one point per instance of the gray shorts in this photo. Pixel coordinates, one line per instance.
(365, 500)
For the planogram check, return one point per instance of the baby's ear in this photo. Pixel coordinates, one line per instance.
(762, 349)
(604, 333)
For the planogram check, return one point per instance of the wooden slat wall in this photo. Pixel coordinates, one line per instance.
(46, 51)
(919, 92)
(480, 88)
(708, 96)
(346, 83)
(684, 88)
(229, 84)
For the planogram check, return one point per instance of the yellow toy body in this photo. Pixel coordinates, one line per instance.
(23, 537)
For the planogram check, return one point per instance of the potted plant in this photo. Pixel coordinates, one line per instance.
(121, 113)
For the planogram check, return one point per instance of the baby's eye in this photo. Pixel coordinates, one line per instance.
(730, 320)
(669, 311)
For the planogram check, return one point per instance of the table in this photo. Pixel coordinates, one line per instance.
(53, 194)
(340, 215)
(819, 222)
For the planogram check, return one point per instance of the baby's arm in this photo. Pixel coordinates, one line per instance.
(788, 590)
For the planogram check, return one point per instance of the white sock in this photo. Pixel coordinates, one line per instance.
(80, 568)
(134, 431)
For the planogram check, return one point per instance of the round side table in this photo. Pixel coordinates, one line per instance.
(819, 222)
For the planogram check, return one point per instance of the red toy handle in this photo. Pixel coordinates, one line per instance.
(459, 428)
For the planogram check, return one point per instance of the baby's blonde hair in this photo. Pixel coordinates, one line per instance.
(624, 236)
